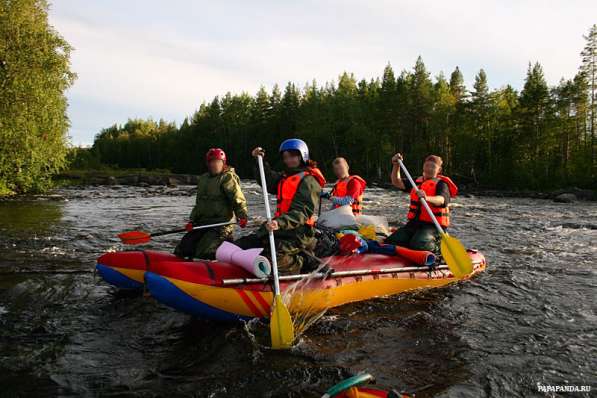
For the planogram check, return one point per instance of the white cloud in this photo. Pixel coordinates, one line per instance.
(165, 59)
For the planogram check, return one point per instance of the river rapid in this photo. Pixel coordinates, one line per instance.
(529, 319)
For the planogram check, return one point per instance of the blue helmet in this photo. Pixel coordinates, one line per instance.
(296, 145)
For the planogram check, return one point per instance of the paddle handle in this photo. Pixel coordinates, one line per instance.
(268, 214)
(425, 204)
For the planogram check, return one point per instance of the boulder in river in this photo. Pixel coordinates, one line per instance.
(151, 179)
(173, 182)
(565, 198)
(131, 179)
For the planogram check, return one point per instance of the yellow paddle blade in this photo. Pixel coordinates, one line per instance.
(456, 256)
(280, 325)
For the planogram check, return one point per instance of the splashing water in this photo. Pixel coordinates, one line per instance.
(304, 310)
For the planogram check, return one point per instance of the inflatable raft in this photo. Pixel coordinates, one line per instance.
(221, 291)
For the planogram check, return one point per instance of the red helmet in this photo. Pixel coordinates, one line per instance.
(215, 154)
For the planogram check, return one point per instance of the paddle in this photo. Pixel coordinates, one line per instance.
(280, 323)
(336, 274)
(452, 250)
(139, 237)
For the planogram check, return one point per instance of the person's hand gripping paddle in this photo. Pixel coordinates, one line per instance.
(280, 323)
(453, 251)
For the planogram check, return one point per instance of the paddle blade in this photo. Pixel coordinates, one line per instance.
(280, 324)
(134, 237)
(456, 256)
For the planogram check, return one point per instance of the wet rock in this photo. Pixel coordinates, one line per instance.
(565, 198)
(192, 179)
(579, 193)
(150, 179)
(129, 179)
(173, 182)
(97, 181)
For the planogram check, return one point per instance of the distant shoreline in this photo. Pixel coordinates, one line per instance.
(165, 178)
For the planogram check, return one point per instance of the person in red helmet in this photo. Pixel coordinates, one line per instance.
(219, 199)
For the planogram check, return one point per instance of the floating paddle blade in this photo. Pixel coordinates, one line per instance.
(280, 324)
(456, 256)
(134, 237)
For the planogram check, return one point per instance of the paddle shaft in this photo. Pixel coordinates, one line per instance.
(320, 275)
(174, 231)
(425, 204)
(268, 214)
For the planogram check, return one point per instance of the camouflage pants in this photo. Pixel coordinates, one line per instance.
(416, 236)
(203, 243)
(290, 252)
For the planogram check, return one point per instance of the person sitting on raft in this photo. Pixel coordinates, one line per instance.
(219, 198)
(298, 189)
(348, 190)
(419, 232)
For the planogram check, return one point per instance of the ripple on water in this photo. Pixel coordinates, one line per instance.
(529, 318)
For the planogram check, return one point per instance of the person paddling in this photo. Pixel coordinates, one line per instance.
(298, 190)
(348, 190)
(219, 198)
(419, 232)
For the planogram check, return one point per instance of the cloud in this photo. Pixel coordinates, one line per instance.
(164, 59)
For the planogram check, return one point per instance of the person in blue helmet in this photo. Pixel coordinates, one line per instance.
(297, 189)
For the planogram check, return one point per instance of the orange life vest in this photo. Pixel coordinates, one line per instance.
(416, 210)
(341, 189)
(287, 187)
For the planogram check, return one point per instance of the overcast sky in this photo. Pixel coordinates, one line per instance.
(161, 59)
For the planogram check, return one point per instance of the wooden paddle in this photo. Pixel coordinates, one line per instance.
(280, 323)
(139, 237)
(452, 250)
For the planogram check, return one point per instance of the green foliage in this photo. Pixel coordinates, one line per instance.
(499, 139)
(83, 159)
(588, 71)
(34, 74)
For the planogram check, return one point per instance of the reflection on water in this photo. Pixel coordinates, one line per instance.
(529, 318)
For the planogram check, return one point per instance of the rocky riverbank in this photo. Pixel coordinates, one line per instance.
(85, 178)
(144, 178)
(567, 195)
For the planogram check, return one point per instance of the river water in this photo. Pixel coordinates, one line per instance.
(530, 318)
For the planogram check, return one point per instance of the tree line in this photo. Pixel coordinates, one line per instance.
(539, 138)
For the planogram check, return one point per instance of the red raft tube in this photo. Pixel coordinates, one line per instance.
(226, 292)
(126, 269)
